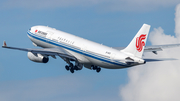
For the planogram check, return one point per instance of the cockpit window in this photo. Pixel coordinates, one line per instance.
(30, 29)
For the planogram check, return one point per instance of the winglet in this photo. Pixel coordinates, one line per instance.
(4, 44)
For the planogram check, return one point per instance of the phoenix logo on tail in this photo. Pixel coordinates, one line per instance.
(140, 43)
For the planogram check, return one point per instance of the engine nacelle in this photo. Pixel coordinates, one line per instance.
(37, 57)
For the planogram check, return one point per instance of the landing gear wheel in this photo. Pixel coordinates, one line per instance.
(67, 67)
(94, 67)
(71, 65)
(98, 70)
(76, 68)
(72, 70)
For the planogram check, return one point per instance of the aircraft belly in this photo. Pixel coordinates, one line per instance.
(91, 61)
(87, 60)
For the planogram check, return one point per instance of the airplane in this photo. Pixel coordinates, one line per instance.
(78, 52)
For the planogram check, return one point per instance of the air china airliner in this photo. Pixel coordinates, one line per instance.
(78, 52)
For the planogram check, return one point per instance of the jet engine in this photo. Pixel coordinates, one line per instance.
(37, 57)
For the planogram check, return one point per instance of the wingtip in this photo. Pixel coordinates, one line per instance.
(4, 44)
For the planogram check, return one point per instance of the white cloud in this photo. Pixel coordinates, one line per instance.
(177, 21)
(157, 37)
(107, 5)
(158, 81)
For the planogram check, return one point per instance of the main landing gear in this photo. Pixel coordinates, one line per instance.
(72, 67)
(98, 69)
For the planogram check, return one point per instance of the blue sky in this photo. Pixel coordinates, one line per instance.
(111, 22)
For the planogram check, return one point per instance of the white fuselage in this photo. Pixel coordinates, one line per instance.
(87, 52)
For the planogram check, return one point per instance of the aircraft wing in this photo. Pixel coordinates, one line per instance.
(154, 48)
(45, 51)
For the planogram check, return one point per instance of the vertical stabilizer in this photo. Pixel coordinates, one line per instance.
(136, 46)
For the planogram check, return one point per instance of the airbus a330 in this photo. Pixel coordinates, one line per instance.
(78, 52)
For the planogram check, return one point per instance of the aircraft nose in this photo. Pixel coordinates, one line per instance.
(33, 29)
